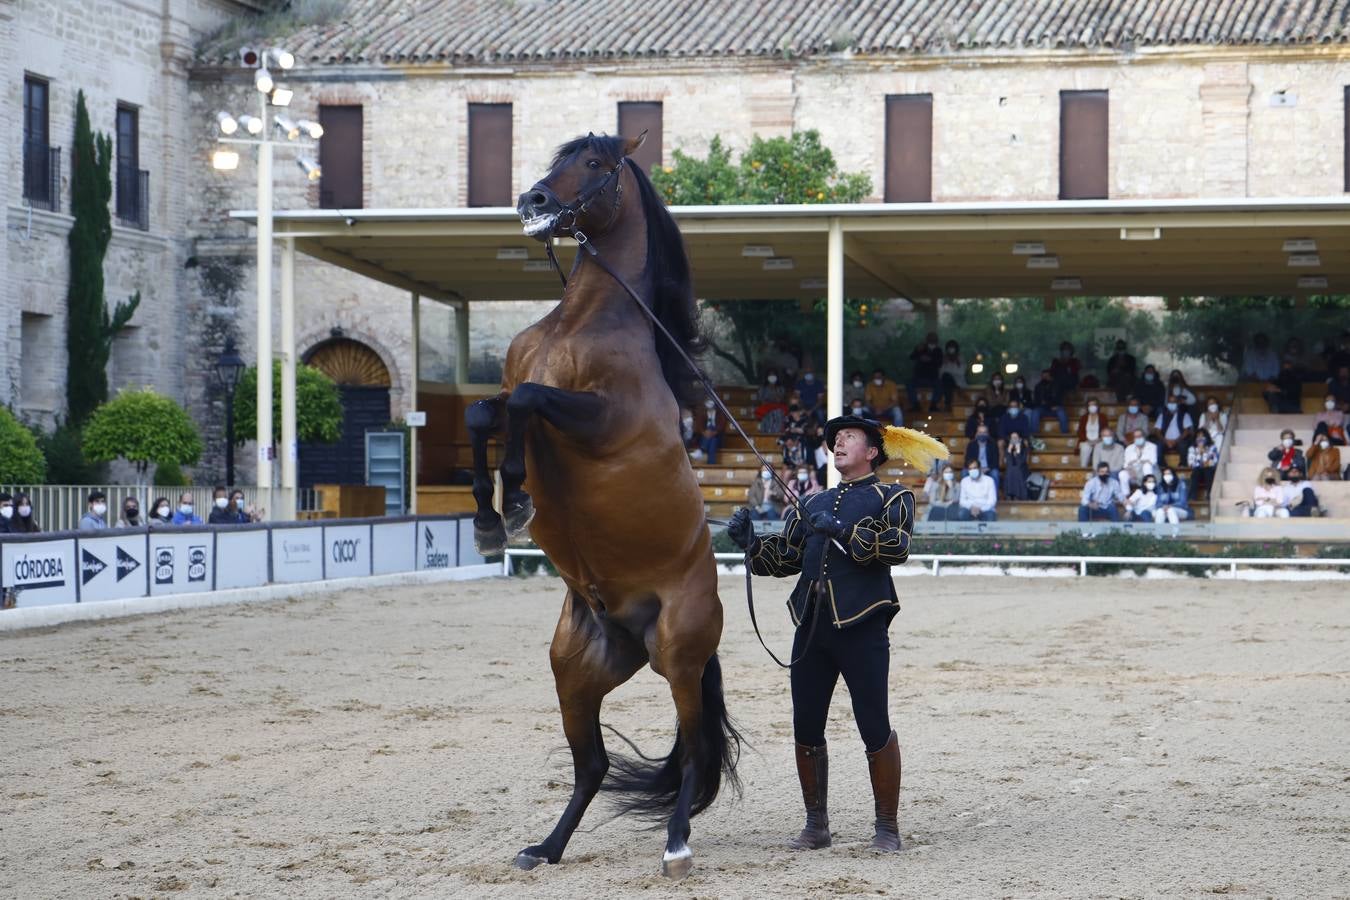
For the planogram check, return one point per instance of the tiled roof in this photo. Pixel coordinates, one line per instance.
(476, 32)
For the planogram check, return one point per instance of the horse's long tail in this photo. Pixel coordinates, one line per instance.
(650, 789)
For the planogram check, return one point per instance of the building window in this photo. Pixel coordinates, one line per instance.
(41, 161)
(1083, 136)
(634, 118)
(133, 182)
(490, 154)
(909, 148)
(340, 182)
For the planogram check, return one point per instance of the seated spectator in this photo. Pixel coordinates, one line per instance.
(980, 416)
(1047, 399)
(95, 516)
(1339, 387)
(1288, 455)
(982, 451)
(245, 514)
(220, 513)
(689, 435)
(131, 514)
(771, 403)
(1174, 429)
(1016, 466)
(1091, 427)
(1178, 389)
(1140, 459)
(927, 359)
(711, 426)
(1284, 393)
(797, 418)
(952, 375)
(1065, 369)
(943, 492)
(185, 515)
(883, 398)
(1260, 362)
(997, 396)
(820, 459)
(794, 452)
(1299, 497)
(1151, 392)
(1133, 418)
(812, 394)
(1268, 500)
(1120, 372)
(1013, 419)
(1100, 495)
(1108, 451)
(1324, 461)
(1330, 422)
(1203, 458)
(23, 521)
(803, 484)
(858, 408)
(765, 497)
(161, 513)
(1213, 420)
(855, 392)
(1143, 503)
(1294, 355)
(1021, 393)
(1173, 502)
(978, 500)
(6, 511)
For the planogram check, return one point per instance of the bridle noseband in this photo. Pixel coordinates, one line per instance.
(567, 219)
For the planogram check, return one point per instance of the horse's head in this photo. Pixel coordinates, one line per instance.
(582, 190)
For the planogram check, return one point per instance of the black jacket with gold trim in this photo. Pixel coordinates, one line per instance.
(878, 520)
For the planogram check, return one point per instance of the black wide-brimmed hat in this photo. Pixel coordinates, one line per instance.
(870, 426)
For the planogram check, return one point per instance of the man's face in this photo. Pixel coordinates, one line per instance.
(852, 450)
(185, 500)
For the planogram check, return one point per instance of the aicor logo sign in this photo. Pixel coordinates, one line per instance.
(345, 551)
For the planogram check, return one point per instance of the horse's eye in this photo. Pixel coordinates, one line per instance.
(593, 164)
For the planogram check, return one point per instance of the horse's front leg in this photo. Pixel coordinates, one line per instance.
(576, 414)
(484, 419)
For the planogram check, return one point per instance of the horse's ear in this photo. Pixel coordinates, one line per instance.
(630, 147)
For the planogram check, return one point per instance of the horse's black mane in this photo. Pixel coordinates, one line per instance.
(669, 282)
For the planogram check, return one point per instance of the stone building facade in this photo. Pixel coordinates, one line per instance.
(1254, 106)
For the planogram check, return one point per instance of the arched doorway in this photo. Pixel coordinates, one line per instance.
(363, 381)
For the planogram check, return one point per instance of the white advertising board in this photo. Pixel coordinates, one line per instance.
(181, 563)
(112, 568)
(468, 553)
(394, 547)
(42, 572)
(346, 551)
(437, 544)
(297, 554)
(241, 558)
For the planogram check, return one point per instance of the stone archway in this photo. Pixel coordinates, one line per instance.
(364, 381)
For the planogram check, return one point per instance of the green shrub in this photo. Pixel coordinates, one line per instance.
(318, 406)
(170, 475)
(66, 463)
(21, 459)
(144, 428)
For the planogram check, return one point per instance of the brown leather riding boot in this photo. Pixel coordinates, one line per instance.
(813, 771)
(884, 767)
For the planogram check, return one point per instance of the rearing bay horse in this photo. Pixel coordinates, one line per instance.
(588, 408)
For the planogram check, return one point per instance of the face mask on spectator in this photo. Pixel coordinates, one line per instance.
(185, 509)
(948, 475)
(1103, 477)
(687, 420)
(877, 380)
(1288, 442)
(1092, 408)
(998, 382)
(1108, 440)
(974, 474)
(163, 512)
(1133, 408)
(1171, 407)
(1139, 442)
(6, 511)
(809, 377)
(765, 475)
(709, 404)
(25, 511)
(222, 502)
(1330, 404)
(1021, 383)
(1270, 481)
(773, 379)
(100, 509)
(1325, 445)
(857, 382)
(1149, 485)
(857, 410)
(981, 437)
(1014, 410)
(1168, 479)
(1214, 407)
(802, 476)
(131, 512)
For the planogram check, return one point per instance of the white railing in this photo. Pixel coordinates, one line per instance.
(937, 560)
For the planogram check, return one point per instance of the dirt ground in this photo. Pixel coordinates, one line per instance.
(1061, 738)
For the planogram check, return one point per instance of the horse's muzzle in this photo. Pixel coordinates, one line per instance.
(539, 209)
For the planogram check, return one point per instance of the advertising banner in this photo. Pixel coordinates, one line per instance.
(112, 568)
(181, 563)
(41, 572)
(297, 554)
(346, 550)
(437, 544)
(241, 558)
(394, 546)
(468, 554)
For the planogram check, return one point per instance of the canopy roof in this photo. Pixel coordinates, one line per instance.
(915, 250)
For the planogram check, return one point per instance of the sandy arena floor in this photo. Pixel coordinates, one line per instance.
(1061, 738)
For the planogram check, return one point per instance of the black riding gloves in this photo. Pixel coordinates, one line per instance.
(825, 523)
(740, 529)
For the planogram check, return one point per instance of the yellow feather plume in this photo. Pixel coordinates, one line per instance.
(914, 447)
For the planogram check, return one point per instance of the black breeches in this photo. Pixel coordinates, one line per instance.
(862, 654)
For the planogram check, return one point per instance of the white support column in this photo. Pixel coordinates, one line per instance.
(285, 502)
(264, 348)
(834, 330)
(412, 402)
(462, 342)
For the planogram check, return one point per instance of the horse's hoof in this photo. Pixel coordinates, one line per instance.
(527, 861)
(489, 541)
(518, 517)
(676, 864)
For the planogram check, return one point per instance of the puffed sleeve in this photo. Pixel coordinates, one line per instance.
(780, 554)
(885, 538)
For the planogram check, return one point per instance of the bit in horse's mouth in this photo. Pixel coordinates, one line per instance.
(538, 226)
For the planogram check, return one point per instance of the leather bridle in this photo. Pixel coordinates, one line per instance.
(566, 220)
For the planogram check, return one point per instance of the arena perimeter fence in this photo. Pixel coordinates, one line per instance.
(125, 563)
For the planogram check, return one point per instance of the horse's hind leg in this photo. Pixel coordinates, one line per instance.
(589, 661)
(484, 419)
(575, 414)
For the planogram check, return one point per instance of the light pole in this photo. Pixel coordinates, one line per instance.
(275, 95)
(229, 366)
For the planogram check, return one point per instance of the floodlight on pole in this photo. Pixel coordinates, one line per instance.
(281, 96)
(225, 160)
(286, 125)
(227, 123)
(262, 80)
(252, 124)
(312, 128)
(310, 167)
(283, 58)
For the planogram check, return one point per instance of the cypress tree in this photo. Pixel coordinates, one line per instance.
(89, 329)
